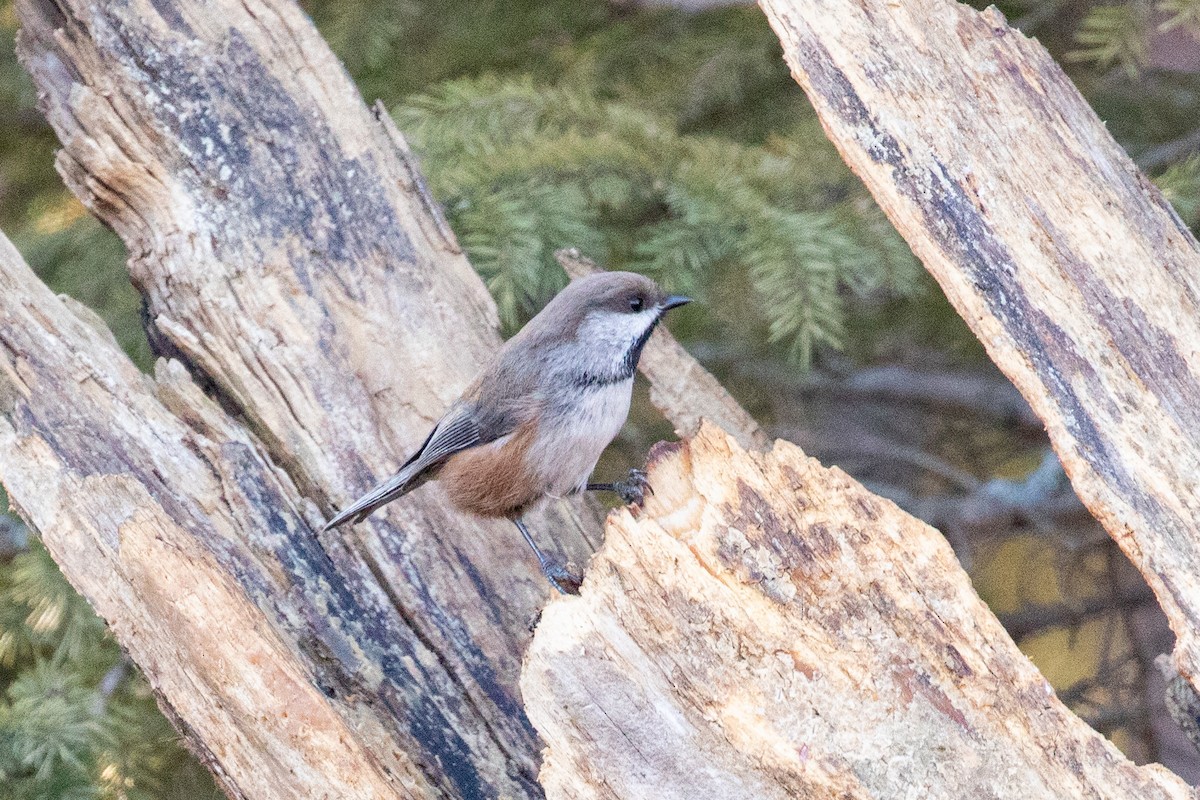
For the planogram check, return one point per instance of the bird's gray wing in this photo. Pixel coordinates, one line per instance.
(507, 394)
(458, 430)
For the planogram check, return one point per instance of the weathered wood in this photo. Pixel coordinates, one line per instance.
(288, 256)
(767, 628)
(144, 491)
(291, 258)
(1070, 266)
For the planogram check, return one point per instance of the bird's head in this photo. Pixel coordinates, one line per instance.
(607, 318)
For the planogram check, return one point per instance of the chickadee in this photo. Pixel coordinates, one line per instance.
(533, 424)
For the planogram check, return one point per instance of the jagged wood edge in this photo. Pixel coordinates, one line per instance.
(291, 260)
(766, 627)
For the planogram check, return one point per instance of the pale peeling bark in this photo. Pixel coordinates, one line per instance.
(767, 628)
(291, 259)
(1070, 266)
(144, 491)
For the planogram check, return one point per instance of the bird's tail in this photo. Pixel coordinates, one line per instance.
(398, 485)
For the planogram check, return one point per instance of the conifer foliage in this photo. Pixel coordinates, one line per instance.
(525, 169)
(1122, 34)
(77, 720)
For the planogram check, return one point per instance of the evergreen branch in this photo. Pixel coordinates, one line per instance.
(525, 169)
(1114, 35)
(1180, 184)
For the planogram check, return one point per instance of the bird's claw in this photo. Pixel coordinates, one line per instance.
(561, 578)
(634, 488)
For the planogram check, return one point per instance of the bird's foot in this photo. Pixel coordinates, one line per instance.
(634, 488)
(561, 578)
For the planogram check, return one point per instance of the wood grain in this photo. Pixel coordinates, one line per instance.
(144, 491)
(1070, 266)
(768, 628)
(765, 628)
(291, 259)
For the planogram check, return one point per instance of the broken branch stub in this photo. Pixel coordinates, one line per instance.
(768, 628)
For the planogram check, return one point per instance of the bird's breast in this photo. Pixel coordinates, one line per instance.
(572, 437)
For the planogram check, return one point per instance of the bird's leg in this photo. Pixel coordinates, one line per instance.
(558, 575)
(632, 490)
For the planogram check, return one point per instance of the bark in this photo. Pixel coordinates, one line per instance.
(298, 272)
(146, 492)
(766, 627)
(291, 260)
(1070, 266)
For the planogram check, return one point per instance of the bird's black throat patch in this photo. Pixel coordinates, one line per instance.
(628, 364)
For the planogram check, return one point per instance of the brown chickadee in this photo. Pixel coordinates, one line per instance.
(533, 424)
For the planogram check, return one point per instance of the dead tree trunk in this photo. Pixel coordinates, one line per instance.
(1070, 266)
(766, 627)
(291, 260)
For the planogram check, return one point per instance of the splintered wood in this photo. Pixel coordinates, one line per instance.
(147, 515)
(767, 628)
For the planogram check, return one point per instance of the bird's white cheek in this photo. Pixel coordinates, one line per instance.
(613, 334)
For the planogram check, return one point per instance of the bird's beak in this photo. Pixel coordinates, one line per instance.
(674, 301)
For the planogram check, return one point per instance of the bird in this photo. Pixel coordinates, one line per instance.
(533, 423)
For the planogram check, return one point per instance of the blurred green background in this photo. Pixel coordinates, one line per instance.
(670, 140)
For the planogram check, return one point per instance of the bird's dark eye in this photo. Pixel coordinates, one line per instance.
(636, 304)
